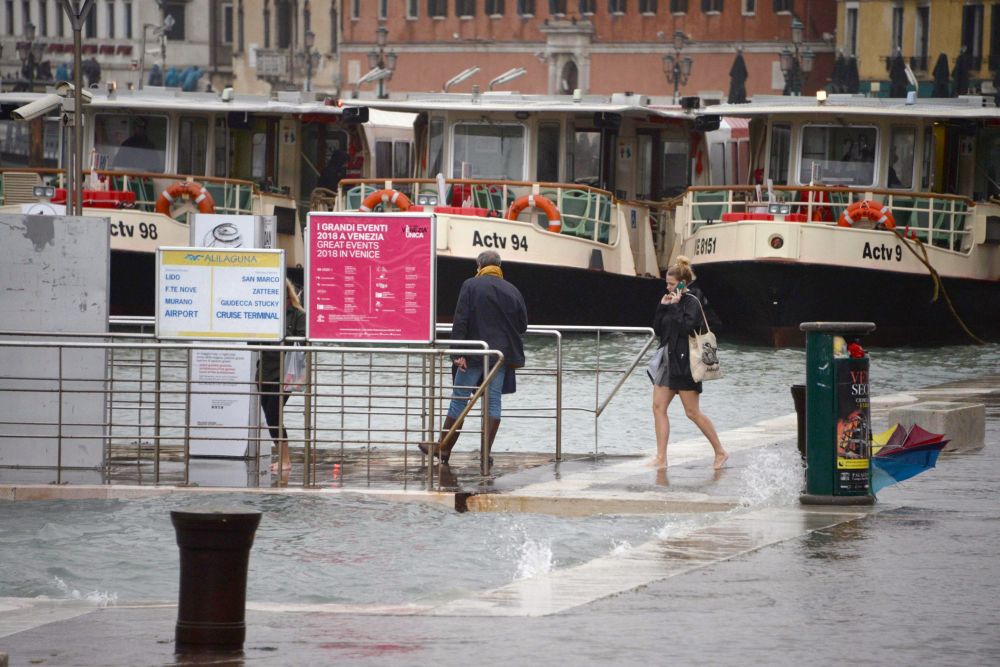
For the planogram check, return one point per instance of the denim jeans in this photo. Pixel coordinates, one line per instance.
(465, 384)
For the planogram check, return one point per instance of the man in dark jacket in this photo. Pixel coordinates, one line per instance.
(489, 309)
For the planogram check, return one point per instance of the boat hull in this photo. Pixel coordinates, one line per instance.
(560, 294)
(765, 301)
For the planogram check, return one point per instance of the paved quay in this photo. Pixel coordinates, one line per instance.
(668, 598)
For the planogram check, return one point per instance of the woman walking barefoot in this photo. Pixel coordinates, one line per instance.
(678, 316)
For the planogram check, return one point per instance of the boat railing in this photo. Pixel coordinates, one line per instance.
(587, 212)
(360, 404)
(231, 196)
(940, 220)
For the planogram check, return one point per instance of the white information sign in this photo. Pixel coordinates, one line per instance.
(208, 293)
(223, 411)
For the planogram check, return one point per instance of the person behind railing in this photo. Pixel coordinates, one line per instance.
(269, 374)
(492, 310)
(678, 316)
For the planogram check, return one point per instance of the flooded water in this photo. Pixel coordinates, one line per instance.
(756, 386)
(915, 581)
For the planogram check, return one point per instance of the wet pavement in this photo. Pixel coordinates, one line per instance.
(912, 578)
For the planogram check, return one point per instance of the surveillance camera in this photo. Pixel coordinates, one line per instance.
(66, 89)
(45, 104)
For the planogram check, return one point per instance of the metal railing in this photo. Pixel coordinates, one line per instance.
(359, 401)
(943, 221)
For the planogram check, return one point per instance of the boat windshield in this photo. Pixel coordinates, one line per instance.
(18, 150)
(488, 151)
(131, 143)
(842, 155)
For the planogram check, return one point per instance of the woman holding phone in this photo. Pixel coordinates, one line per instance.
(678, 315)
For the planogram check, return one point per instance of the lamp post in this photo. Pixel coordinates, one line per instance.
(308, 57)
(380, 60)
(30, 52)
(676, 68)
(796, 64)
(158, 31)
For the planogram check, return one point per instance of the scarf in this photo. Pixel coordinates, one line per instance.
(490, 270)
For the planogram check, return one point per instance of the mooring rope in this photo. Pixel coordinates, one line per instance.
(939, 289)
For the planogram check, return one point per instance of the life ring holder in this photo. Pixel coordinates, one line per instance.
(387, 196)
(200, 196)
(541, 203)
(870, 210)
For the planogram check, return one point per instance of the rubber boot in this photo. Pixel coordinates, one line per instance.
(444, 448)
(494, 427)
(441, 448)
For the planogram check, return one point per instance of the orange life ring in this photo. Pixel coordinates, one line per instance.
(201, 197)
(397, 199)
(872, 210)
(542, 204)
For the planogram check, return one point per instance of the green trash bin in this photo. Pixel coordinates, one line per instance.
(838, 415)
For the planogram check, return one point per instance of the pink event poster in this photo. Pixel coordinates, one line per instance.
(370, 277)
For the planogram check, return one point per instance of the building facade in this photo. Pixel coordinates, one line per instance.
(114, 35)
(922, 30)
(597, 46)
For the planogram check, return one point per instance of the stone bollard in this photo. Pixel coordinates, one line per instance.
(214, 553)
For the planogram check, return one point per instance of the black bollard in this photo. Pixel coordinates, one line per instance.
(799, 398)
(215, 550)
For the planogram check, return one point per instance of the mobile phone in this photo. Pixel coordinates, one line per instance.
(681, 286)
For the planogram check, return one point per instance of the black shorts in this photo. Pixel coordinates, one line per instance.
(683, 383)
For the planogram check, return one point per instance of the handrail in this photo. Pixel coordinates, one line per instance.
(127, 386)
(833, 188)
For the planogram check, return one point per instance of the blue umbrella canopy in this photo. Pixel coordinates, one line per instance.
(902, 457)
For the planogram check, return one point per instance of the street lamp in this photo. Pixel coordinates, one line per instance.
(309, 56)
(380, 60)
(796, 65)
(30, 52)
(676, 68)
(158, 31)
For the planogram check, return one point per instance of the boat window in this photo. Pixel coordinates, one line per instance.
(991, 174)
(258, 154)
(547, 153)
(131, 143)
(843, 155)
(781, 150)
(927, 166)
(902, 143)
(383, 159)
(17, 149)
(674, 168)
(587, 157)
(192, 146)
(324, 157)
(401, 159)
(221, 148)
(491, 151)
(644, 179)
(435, 147)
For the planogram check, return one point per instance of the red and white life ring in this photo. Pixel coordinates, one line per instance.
(542, 204)
(200, 196)
(870, 210)
(385, 197)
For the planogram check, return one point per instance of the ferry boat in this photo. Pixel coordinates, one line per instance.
(854, 209)
(155, 156)
(572, 190)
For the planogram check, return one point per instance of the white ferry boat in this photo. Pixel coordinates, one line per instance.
(573, 191)
(153, 157)
(857, 209)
